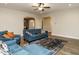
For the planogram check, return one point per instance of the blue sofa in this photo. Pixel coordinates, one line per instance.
(32, 49)
(15, 49)
(34, 34)
(17, 37)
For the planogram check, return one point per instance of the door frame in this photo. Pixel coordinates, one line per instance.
(45, 17)
(30, 18)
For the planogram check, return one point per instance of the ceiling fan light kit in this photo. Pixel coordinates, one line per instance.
(40, 6)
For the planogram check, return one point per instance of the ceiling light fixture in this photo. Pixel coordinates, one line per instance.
(40, 6)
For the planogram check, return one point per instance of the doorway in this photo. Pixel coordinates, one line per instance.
(46, 23)
(29, 23)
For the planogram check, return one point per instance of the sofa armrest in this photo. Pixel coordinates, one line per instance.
(46, 32)
(17, 38)
(17, 35)
(11, 42)
(5, 39)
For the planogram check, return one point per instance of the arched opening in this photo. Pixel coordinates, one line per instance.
(29, 23)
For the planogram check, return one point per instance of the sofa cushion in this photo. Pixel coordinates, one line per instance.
(10, 42)
(34, 31)
(35, 49)
(21, 52)
(42, 31)
(14, 48)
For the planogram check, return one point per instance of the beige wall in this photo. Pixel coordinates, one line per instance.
(12, 20)
(65, 23)
(38, 22)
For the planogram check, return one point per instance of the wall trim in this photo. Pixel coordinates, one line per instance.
(60, 35)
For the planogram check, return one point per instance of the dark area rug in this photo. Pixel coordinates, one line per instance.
(51, 44)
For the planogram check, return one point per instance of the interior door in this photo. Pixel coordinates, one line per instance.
(47, 23)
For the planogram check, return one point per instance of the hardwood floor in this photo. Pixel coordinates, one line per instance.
(71, 48)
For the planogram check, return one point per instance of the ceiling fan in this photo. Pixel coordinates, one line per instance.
(40, 6)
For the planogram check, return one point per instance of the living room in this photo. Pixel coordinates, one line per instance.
(63, 23)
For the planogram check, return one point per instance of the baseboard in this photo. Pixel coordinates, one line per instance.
(65, 36)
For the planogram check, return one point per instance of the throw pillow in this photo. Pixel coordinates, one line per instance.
(10, 34)
(6, 36)
(28, 33)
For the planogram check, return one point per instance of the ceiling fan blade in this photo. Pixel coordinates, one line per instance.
(40, 6)
(46, 7)
(36, 9)
(34, 6)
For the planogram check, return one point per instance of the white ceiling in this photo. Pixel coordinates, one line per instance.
(27, 7)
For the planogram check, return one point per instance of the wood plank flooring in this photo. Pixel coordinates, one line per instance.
(71, 48)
